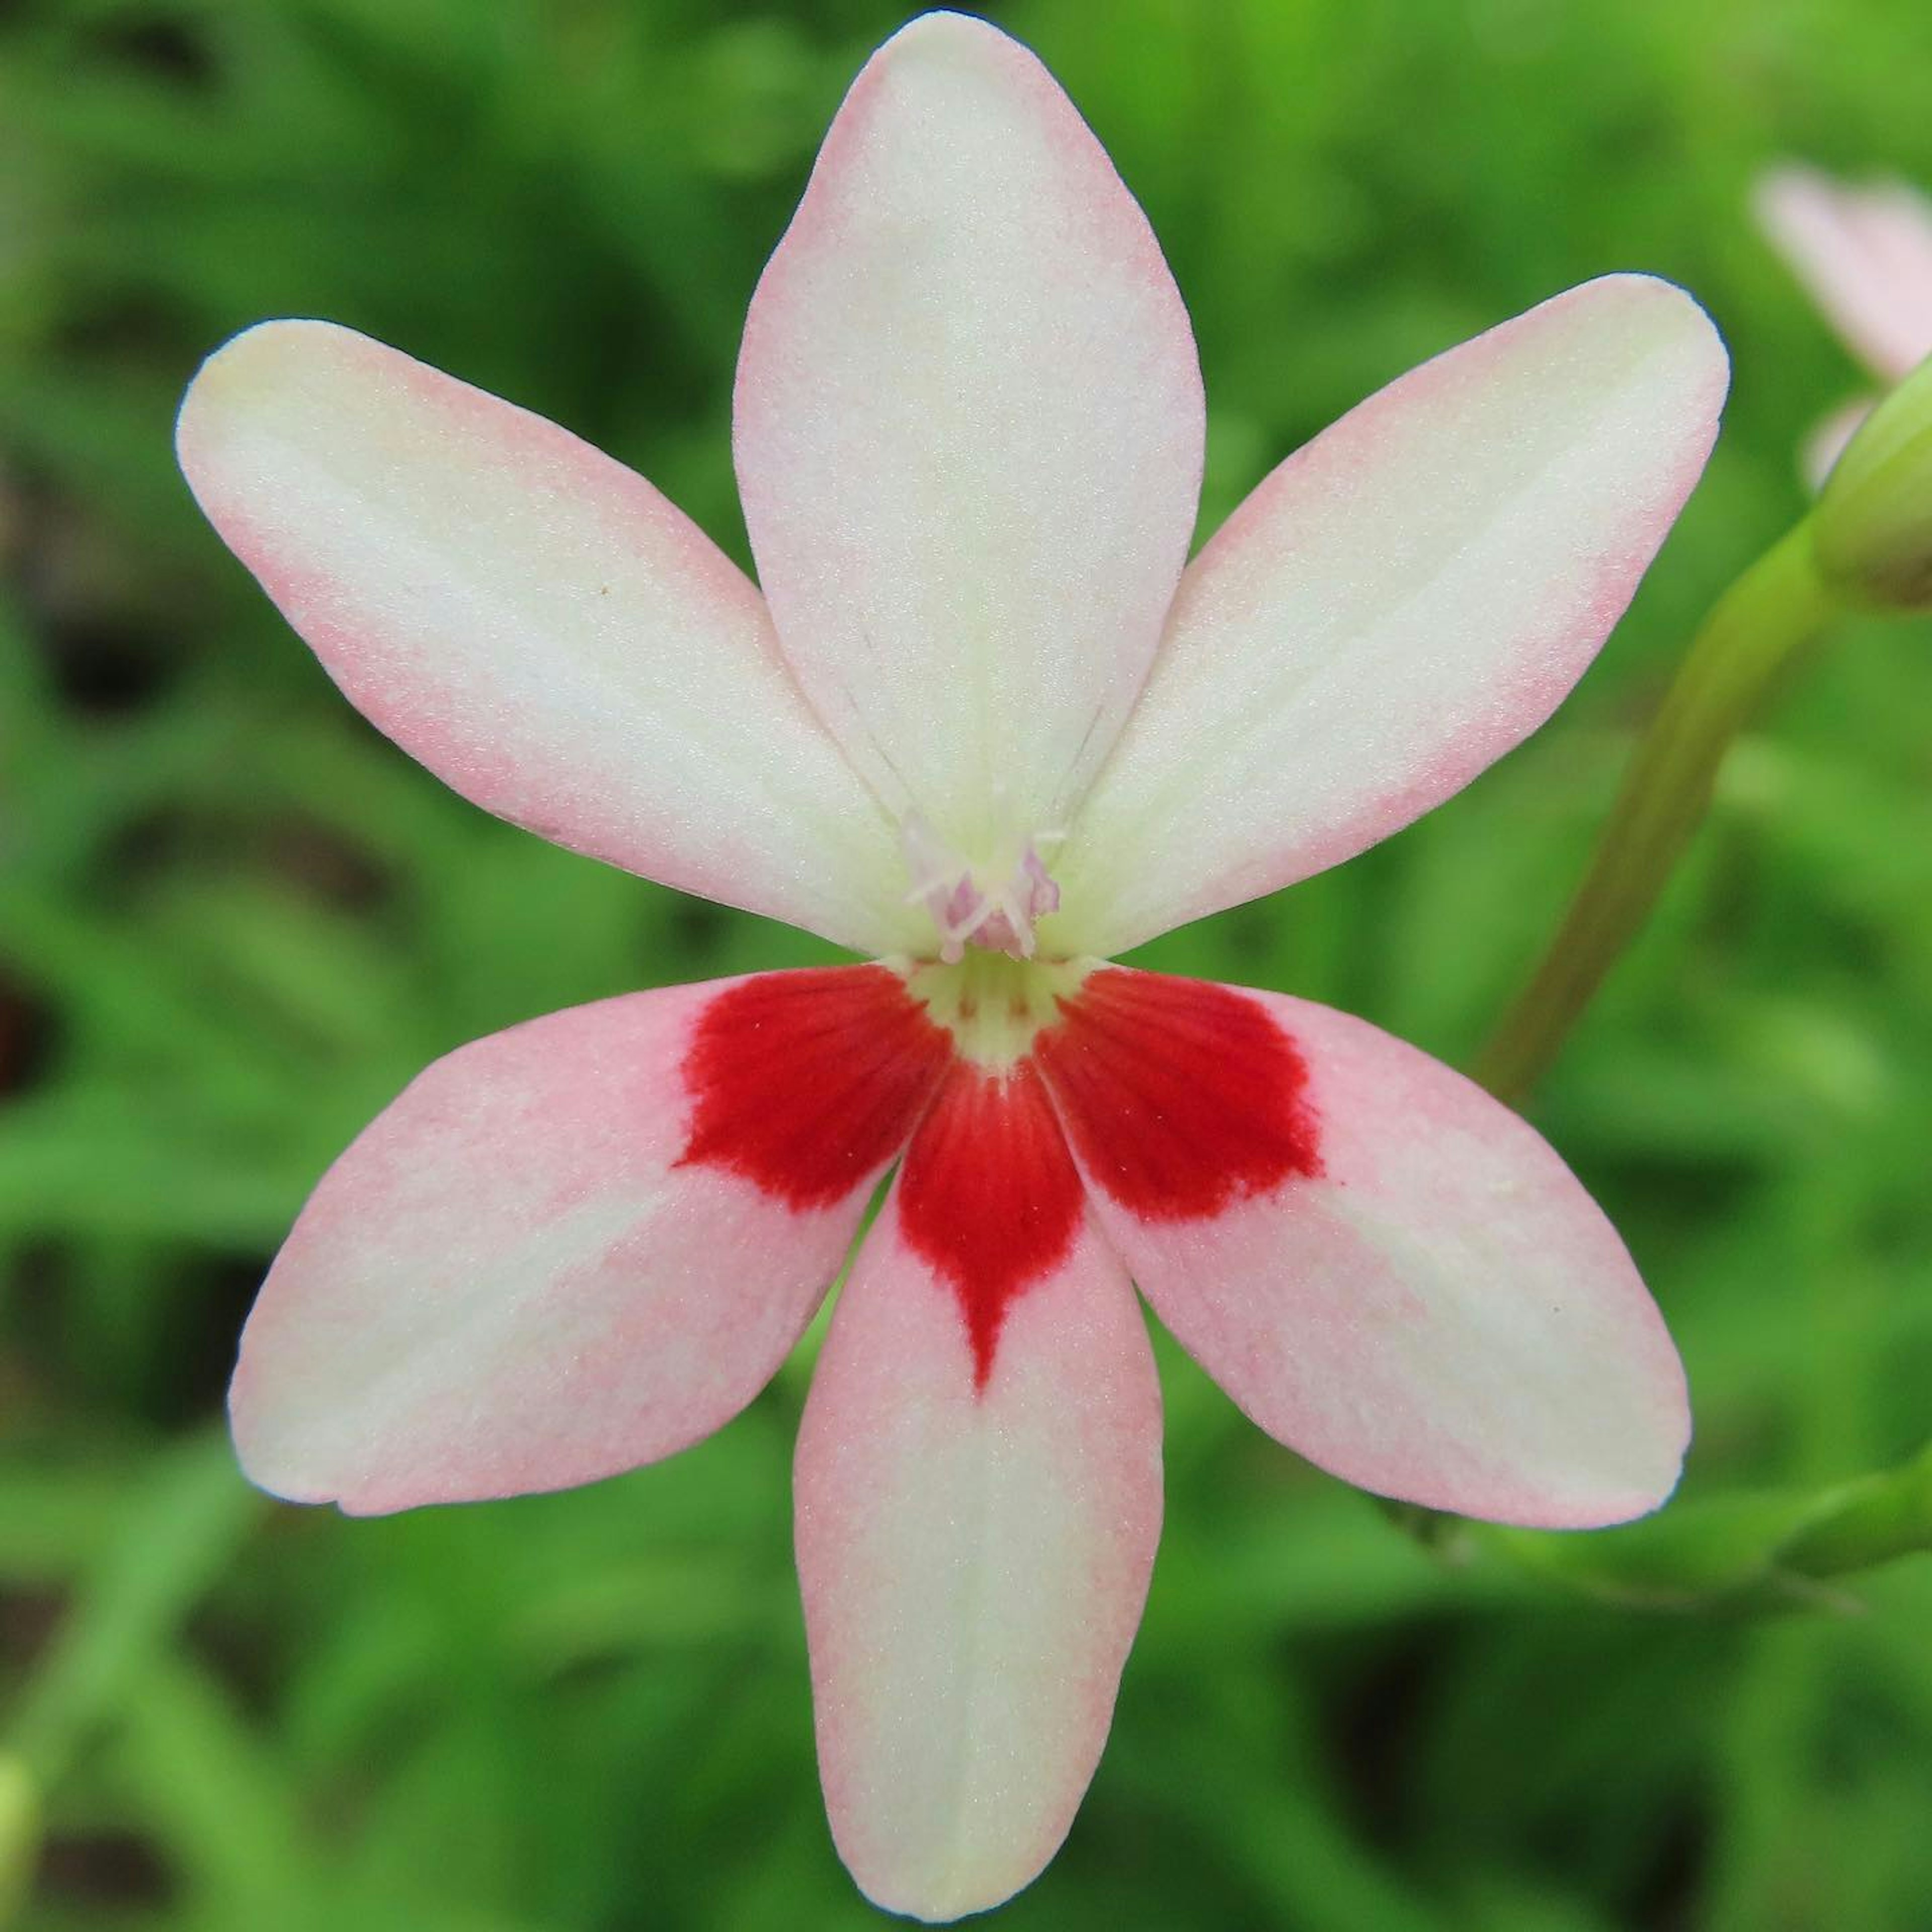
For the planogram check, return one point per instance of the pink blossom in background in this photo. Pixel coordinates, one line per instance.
(1865, 254)
(982, 722)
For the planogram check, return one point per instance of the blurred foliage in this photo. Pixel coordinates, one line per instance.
(233, 921)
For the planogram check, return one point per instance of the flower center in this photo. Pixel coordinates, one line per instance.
(990, 904)
(993, 1005)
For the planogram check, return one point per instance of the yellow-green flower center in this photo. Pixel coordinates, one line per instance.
(993, 1005)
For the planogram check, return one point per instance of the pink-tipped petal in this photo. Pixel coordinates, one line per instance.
(973, 1560)
(1411, 1289)
(1826, 442)
(535, 623)
(1397, 605)
(569, 1248)
(968, 435)
(1865, 254)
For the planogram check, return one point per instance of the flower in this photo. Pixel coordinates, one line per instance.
(987, 725)
(1865, 256)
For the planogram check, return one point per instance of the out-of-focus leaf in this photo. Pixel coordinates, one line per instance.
(178, 1531)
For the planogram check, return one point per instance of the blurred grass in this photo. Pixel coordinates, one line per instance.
(232, 922)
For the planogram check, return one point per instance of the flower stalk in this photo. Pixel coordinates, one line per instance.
(1874, 520)
(1758, 629)
(19, 1836)
(1758, 1552)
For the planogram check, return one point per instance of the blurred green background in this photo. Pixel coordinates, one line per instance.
(233, 921)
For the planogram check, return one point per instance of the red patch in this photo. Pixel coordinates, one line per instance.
(1180, 1095)
(989, 1195)
(807, 1083)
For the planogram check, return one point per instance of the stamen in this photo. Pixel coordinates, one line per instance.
(993, 907)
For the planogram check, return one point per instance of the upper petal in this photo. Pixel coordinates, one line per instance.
(577, 1246)
(1399, 603)
(973, 1559)
(535, 623)
(969, 428)
(1865, 254)
(1399, 1280)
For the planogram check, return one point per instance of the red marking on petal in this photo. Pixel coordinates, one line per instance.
(1180, 1095)
(989, 1195)
(807, 1083)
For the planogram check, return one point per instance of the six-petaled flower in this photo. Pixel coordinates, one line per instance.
(984, 723)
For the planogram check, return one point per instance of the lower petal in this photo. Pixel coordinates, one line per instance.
(562, 1253)
(1400, 1280)
(989, 1197)
(974, 1559)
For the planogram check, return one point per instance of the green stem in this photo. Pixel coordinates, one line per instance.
(19, 1836)
(1756, 1550)
(1865, 1522)
(1752, 635)
(183, 1524)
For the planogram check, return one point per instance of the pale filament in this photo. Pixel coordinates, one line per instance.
(991, 906)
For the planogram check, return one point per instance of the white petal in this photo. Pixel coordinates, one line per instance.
(973, 1562)
(576, 1247)
(1397, 605)
(969, 430)
(1395, 1275)
(536, 624)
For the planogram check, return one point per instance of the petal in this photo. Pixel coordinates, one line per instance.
(576, 1247)
(1404, 1284)
(1865, 256)
(1396, 606)
(968, 435)
(1826, 442)
(974, 1562)
(989, 1199)
(535, 623)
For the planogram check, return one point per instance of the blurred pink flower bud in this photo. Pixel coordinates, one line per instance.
(1864, 255)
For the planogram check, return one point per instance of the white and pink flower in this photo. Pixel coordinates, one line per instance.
(1864, 255)
(985, 723)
